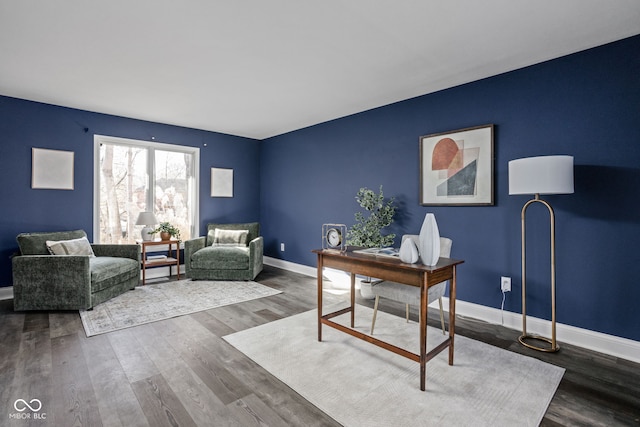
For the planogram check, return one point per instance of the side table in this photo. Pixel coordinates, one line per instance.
(170, 260)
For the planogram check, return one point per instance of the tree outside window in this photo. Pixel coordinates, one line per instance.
(137, 176)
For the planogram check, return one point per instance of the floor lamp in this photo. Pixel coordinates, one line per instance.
(540, 175)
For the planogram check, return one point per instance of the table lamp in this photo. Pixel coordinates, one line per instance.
(148, 219)
(540, 175)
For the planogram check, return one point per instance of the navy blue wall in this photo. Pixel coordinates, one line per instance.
(25, 124)
(586, 105)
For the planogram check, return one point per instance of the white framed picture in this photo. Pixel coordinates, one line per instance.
(221, 182)
(51, 169)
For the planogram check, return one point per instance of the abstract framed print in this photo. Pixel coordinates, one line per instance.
(456, 168)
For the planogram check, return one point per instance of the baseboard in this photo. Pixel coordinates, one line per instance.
(290, 266)
(585, 338)
(592, 340)
(6, 292)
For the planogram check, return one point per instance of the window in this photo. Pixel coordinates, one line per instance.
(134, 176)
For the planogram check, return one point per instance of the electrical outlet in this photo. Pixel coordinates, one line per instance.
(281, 247)
(505, 284)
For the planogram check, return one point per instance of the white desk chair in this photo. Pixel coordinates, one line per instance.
(410, 295)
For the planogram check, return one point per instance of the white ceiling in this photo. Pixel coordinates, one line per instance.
(260, 68)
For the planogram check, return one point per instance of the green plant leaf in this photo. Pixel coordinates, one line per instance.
(367, 231)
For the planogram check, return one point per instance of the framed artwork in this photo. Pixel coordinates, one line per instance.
(456, 168)
(51, 169)
(221, 182)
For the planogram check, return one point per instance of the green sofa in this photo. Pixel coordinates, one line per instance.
(206, 260)
(42, 281)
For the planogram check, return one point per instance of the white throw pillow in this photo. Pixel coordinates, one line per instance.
(222, 237)
(79, 246)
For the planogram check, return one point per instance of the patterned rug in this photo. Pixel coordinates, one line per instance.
(151, 303)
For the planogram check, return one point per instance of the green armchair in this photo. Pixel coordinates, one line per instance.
(211, 257)
(42, 281)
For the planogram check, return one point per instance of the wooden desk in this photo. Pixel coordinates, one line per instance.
(170, 260)
(386, 268)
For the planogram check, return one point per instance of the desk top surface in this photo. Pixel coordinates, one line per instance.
(385, 261)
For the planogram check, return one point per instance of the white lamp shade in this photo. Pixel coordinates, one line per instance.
(146, 218)
(541, 175)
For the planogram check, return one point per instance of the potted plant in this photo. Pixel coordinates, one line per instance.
(367, 231)
(167, 231)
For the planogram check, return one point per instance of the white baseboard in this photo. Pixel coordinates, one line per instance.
(290, 266)
(585, 338)
(6, 292)
(592, 340)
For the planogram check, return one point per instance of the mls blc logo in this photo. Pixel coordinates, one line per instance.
(21, 405)
(34, 405)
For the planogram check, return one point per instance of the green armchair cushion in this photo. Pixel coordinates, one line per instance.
(36, 243)
(221, 258)
(109, 271)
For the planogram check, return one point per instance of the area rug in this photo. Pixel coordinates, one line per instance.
(360, 384)
(151, 303)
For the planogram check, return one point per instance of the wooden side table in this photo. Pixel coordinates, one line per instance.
(170, 260)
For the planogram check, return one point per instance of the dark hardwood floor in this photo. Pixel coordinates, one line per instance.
(180, 372)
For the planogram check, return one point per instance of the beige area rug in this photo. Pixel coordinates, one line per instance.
(360, 384)
(151, 303)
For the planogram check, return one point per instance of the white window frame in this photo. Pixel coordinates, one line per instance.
(100, 139)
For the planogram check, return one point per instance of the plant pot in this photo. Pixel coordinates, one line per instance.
(165, 235)
(365, 290)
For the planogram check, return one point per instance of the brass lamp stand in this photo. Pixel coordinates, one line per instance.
(554, 346)
(540, 175)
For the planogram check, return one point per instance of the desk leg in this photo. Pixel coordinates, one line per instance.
(424, 293)
(177, 260)
(144, 267)
(353, 300)
(452, 314)
(319, 297)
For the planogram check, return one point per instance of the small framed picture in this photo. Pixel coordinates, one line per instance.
(456, 168)
(221, 182)
(51, 169)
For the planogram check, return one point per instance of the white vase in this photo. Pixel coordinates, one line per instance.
(429, 241)
(408, 251)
